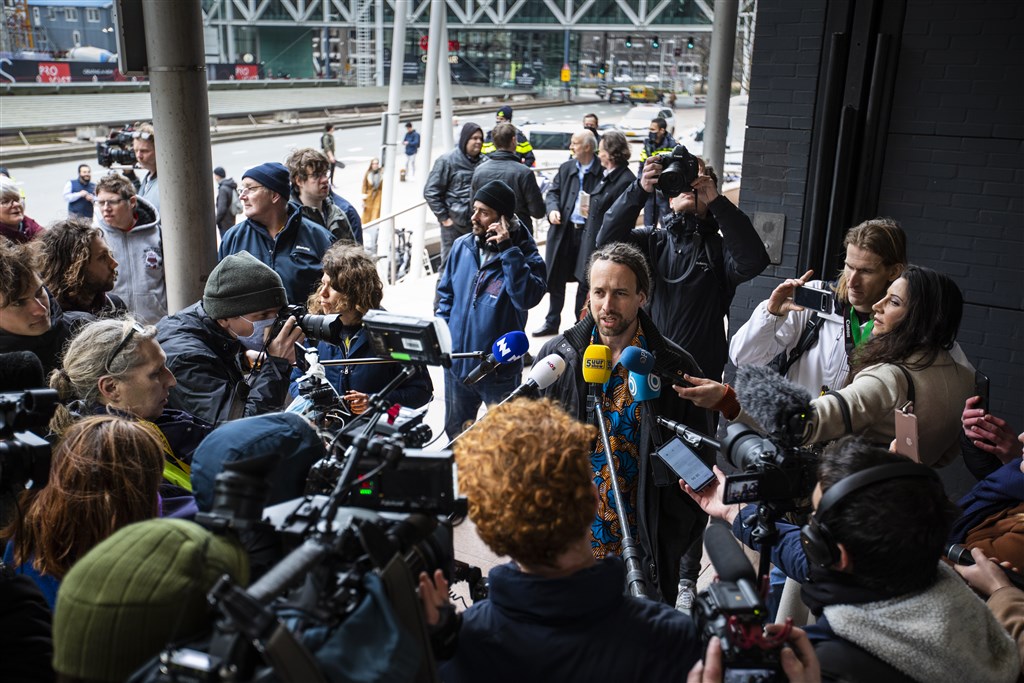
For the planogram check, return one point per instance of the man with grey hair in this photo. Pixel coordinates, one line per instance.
(567, 201)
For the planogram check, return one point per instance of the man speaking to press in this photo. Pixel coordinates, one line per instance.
(664, 523)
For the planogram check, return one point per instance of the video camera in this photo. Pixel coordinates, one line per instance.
(24, 455)
(117, 149)
(678, 171)
(770, 470)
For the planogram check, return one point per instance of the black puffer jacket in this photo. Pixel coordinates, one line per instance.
(207, 363)
(448, 190)
(49, 346)
(668, 520)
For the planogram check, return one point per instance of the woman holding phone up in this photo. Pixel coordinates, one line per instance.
(905, 366)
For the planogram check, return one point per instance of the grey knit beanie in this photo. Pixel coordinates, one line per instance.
(242, 284)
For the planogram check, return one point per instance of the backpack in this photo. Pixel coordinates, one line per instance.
(236, 204)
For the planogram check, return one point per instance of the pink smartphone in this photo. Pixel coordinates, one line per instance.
(906, 435)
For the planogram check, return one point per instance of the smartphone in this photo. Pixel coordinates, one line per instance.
(906, 435)
(742, 488)
(981, 389)
(686, 464)
(814, 299)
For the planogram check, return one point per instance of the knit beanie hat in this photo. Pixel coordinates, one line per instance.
(137, 591)
(505, 113)
(271, 175)
(242, 284)
(498, 196)
(219, 172)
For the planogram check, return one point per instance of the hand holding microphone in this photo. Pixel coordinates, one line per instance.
(508, 348)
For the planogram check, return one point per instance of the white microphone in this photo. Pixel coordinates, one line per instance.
(542, 375)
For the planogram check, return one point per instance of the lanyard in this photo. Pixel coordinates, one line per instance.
(854, 333)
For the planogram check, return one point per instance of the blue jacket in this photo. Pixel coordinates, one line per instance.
(369, 379)
(482, 302)
(295, 254)
(581, 627)
(412, 143)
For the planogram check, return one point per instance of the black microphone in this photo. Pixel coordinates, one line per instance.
(779, 406)
(642, 362)
(726, 555)
(20, 370)
(960, 555)
(508, 347)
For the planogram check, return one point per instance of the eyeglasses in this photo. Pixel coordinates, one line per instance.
(10, 202)
(317, 176)
(246, 189)
(136, 327)
(142, 135)
(108, 202)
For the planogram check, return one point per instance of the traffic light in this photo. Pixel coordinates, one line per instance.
(654, 43)
(629, 41)
(602, 68)
(689, 43)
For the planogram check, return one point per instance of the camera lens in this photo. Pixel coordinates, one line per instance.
(743, 447)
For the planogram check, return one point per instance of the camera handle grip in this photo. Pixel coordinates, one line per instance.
(291, 569)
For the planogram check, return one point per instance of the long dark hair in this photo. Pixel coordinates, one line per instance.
(935, 306)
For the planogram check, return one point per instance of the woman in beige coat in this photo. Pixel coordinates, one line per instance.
(372, 183)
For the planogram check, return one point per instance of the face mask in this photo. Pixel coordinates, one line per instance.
(653, 137)
(254, 341)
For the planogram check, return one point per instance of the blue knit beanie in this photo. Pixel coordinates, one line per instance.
(271, 175)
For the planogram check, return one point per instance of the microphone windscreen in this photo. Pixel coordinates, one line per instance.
(637, 360)
(20, 370)
(726, 555)
(597, 364)
(643, 387)
(546, 370)
(510, 346)
(771, 399)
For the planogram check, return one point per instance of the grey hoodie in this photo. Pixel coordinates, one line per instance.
(140, 263)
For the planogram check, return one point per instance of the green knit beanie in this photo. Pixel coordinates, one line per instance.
(137, 591)
(242, 284)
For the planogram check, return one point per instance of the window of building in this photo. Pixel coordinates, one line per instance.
(70, 14)
(51, 13)
(76, 38)
(92, 15)
(35, 16)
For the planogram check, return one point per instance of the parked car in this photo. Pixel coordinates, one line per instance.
(618, 95)
(636, 123)
(643, 93)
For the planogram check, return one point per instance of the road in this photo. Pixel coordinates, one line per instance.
(355, 146)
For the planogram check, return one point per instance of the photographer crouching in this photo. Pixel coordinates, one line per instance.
(227, 360)
(526, 471)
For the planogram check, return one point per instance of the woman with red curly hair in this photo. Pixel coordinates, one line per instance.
(555, 612)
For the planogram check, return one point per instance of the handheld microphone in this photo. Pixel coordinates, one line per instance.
(542, 375)
(780, 406)
(597, 364)
(642, 362)
(508, 348)
(644, 387)
(958, 554)
(726, 556)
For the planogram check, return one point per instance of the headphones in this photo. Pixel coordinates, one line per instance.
(819, 546)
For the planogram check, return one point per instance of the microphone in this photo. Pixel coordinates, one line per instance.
(597, 364)
(644, 387)
(642, 362)
(726, 556)
(958, 554)
(20, 370)
(780, 406)
(542, 375)
(508, 348)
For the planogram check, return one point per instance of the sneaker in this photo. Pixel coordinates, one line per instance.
(687, 597)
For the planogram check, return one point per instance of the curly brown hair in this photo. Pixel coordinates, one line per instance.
(62, 254)
(104, 475)
(306, 161)
(526, 471)
(353, 274)
(116, 184)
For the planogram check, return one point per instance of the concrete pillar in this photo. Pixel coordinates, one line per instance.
(723, 49)
(444, 89)
(386, 242)
(437, 10)
(181, 117)
(229, 14)
(378, 42)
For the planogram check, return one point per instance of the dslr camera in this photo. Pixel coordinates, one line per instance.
(24, 454)
(325, 328)
(679, 170)
(116, 149)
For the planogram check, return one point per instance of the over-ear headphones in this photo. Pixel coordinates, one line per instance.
(819, 546)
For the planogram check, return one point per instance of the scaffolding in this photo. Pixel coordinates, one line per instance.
(363, 56)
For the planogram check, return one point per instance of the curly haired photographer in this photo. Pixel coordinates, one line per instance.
(526, 471)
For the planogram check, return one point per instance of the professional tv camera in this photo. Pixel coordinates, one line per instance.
(24, 455)
(732, 610)
(117, 150)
